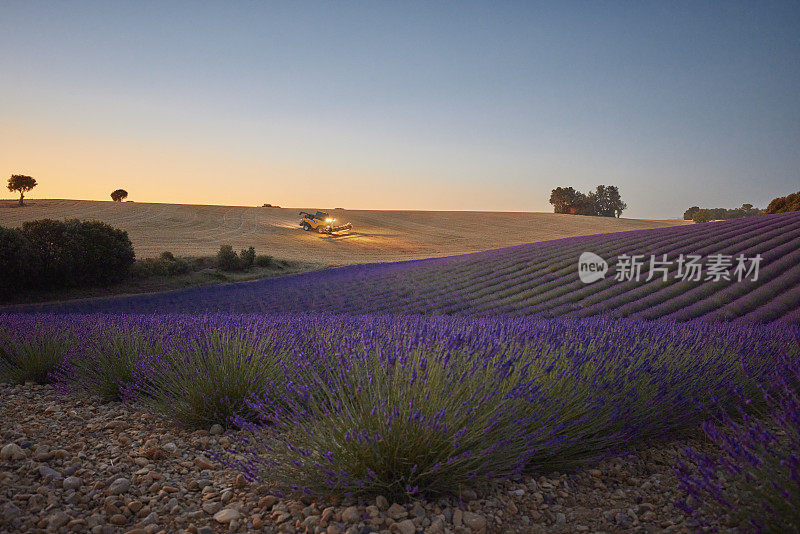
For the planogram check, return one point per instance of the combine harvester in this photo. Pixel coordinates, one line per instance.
(321, 222)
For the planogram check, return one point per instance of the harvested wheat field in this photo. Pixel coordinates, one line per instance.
(194, 230)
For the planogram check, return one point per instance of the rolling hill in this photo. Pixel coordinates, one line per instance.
(538, 279)
(194, 230)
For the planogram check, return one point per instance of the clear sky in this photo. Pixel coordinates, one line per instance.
(403, 105)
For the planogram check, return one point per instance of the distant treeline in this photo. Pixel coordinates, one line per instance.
(778, 205)
(698, 214)
(52, 254)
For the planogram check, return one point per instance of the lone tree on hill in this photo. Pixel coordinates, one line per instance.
(119, 195)
(21, 183)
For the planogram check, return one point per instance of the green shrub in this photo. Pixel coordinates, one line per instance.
(76, 253)
(247, 257)
(17, 267)
(227, 260)
(165, 265)
(265, 261)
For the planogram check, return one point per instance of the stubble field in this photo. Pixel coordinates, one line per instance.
(193, 230)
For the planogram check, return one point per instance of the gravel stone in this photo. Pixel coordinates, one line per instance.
(351, 515)
(72, 483)
(227, 515)
(120, 485)
(133, 480)
(12, 451)
(403, 527)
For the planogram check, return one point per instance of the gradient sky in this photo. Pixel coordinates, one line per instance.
(403, 105)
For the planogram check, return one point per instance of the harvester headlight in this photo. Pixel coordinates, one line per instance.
(329, 220)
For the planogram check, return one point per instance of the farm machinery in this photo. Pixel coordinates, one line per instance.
(321, 222)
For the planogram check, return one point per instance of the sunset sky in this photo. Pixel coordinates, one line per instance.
(403, 105)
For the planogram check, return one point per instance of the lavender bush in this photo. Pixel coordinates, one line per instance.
(420, 422)
(205, 377)
(754, 479)
(108, 360)
(33, 353)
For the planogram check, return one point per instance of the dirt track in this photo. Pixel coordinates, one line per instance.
(376, 236)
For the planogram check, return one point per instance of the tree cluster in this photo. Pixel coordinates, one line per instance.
(605, 201)
(119, 195)
(784, 204)
(47, 253)
(697, 214)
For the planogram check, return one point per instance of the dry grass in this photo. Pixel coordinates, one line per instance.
(197, 230)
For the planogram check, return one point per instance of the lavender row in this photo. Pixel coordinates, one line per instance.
(401, 405)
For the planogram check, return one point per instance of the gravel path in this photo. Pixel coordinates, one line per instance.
(75, 465)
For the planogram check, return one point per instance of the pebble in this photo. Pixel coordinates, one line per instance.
(135, 506)
(12, 451)
(72, 483)
(227, 515)
(381, 503)
(120, 485)
(474, 521)
(397, 512)
(11, 511)
(212, 507)
(48, 472)
(457, 517)
(403, 527)
(350, 515)
(203, 463)
(57, 520)
(437, 525)
(215, 430)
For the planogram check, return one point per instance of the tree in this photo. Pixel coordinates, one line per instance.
(607, 201)
(784, 204)
(689, 214)
(583, 205)
(564, 198)
(703, 216)
(21, 183)
(119, 195)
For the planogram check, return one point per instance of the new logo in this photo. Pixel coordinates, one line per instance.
(591, 267)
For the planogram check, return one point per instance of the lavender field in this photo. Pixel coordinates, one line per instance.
(539, 279)
(419, 379)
